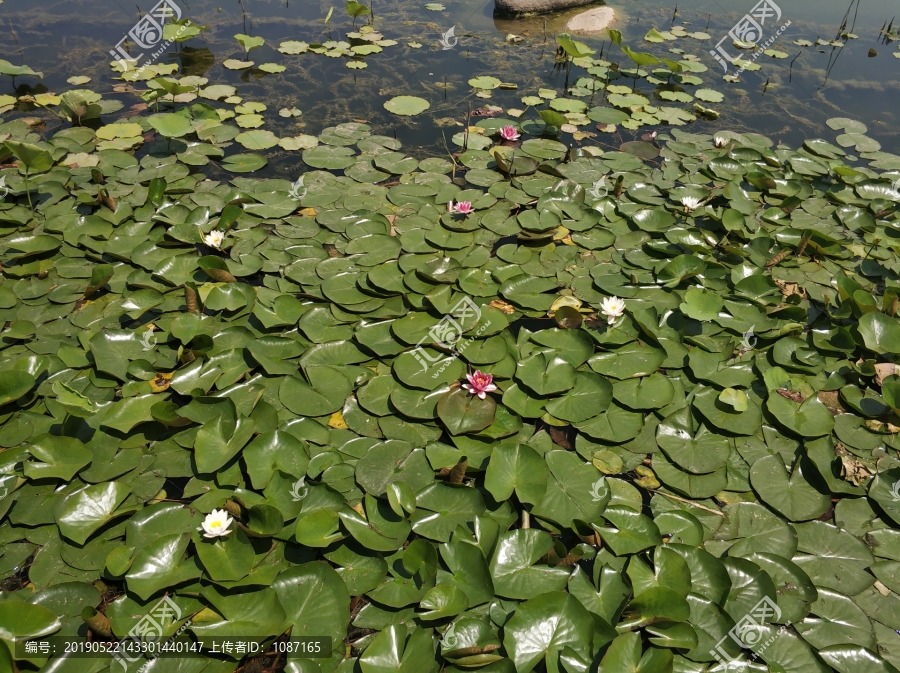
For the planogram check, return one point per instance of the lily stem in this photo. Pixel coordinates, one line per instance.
(689, 502)
(28, 191)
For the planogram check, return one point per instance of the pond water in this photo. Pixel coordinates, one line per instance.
(788, 98)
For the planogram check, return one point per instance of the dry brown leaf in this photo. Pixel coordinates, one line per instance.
(488, 111)
(854, 470)
(883, 370)
(832, 400)
(503, 306)
(559, 437)
(789, 288)
(458, 473)
(790, 394)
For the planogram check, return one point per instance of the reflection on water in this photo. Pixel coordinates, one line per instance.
(788, 99)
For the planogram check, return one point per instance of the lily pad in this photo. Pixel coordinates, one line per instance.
(407, 106)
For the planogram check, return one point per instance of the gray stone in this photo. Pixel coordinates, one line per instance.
(592, 21)
(537, 6)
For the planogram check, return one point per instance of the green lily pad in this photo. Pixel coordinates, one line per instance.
(462, 412)
(407, 106)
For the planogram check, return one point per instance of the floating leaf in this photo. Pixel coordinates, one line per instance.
(234, 64)
(293, 47)
(244, 163)
(407, 106)
(248, 42)
(462, 412)
(257, 140)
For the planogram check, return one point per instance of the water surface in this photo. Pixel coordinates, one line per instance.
(787, 99)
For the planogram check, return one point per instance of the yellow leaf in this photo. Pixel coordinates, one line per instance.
(160, 382)
(337, 421)
(503, 306)
(47, 99)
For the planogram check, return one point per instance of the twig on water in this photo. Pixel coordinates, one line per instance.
(791, 71)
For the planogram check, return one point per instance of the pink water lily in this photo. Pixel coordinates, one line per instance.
(480, 384)
(510, 133)
(460, 207)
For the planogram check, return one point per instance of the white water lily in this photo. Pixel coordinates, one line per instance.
(690, 203)
(214, 239)
(720, 141)
(216, 523)
(4, 190)
(612, 308)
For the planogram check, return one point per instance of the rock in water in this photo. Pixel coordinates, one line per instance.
(536, 6)
(591, 21)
